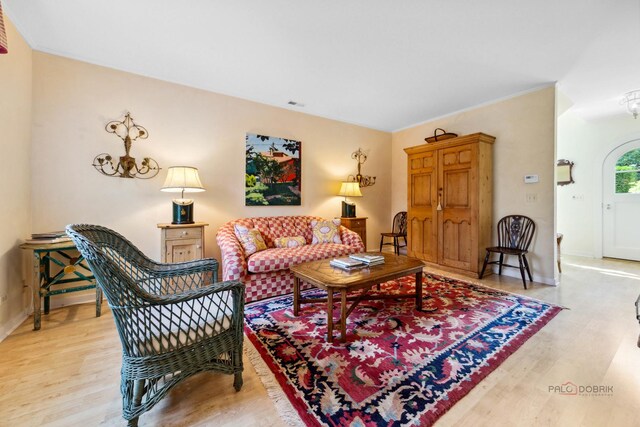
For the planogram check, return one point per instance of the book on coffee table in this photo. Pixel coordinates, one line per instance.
(346, 262)
(368, 258)
(346, 268)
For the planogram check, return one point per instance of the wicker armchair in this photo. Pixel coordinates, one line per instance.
(173, 319)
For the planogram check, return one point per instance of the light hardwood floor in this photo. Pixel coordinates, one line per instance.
(67, 374)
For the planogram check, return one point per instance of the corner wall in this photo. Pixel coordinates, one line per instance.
(74, 100)
(15, 175)
(587, 144)
(524, 127)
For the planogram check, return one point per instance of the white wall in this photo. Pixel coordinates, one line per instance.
(15, 191)
(587, 144)
(74, 101)
(524, 127)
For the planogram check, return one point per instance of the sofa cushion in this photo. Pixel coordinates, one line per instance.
(326, 231)
(282, 258)
(250, 239)
(170, 326)
(289, 242)
(282, 226)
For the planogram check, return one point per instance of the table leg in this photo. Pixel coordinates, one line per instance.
(47, 278)
(329, 315)
(296, 296)
(36, 293)
(419, 290)
(343, 315)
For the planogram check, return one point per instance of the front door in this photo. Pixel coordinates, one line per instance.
(621, 202)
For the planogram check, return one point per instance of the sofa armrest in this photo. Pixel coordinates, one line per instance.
(234, 264)
(351, 238)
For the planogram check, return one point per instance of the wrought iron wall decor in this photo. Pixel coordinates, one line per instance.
(126, 167)
(362, 180)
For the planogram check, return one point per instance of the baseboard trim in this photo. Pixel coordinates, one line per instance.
(12, 324)
(515, 273)
(77, 298)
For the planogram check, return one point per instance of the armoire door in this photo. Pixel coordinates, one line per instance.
(457, 190)
(422, 228)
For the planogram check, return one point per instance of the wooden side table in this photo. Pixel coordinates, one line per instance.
(182, 242)
(357, 224)
(57, 264)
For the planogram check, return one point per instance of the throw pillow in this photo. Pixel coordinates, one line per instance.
(250, 239)
(289, 242)
(325, 231)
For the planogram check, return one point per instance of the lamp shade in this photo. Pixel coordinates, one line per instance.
(182, 179)
(350, 189)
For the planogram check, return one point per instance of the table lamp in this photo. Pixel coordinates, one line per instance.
(349, 189)
(182, 179)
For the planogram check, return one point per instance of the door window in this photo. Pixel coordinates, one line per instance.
(628, 172)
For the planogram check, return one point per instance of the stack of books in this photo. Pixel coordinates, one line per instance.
(355, 261)
(346, 263)
(368, 259)
(51, 237)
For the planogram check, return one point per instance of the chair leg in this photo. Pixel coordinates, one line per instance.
(138, 391)
(237, 381)
(381, 241)
(522, 271)
(396, 246)
(500, 268)
(526, 265)
(484, 265)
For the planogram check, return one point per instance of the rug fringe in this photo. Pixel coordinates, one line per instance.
(280, 400)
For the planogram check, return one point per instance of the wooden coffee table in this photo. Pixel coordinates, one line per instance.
(332, 279)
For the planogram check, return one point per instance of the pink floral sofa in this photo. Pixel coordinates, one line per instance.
(266, 273)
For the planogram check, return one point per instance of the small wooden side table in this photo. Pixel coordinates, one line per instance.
(53, 264)
(182, 242)
(357, 224)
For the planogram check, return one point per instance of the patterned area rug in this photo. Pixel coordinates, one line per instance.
(398, 366)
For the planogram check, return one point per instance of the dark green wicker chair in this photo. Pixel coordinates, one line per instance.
(173, 319)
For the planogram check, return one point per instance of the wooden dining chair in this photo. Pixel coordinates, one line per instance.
(515, 233)
(398, 230)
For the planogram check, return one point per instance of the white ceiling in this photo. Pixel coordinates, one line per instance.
(381, 64)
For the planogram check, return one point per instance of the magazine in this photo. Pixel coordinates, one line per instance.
(347, 262)
(49, 235)
(47, 241)
(346, 267)
(47, 238)
(368, 258)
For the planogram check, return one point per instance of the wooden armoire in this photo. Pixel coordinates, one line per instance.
(449, 221)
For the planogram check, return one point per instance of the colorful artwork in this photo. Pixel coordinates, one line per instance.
(273, 171)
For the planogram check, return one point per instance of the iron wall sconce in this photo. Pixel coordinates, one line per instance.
(363, 180)
(126, 167)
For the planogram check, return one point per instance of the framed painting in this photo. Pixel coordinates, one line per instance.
(273, 171)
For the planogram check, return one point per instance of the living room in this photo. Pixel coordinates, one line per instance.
(52, 120)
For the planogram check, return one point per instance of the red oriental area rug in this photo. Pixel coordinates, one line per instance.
(398, 366)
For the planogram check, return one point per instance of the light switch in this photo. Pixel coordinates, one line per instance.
(531, 179)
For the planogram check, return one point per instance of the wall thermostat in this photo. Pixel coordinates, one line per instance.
(530, 179)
